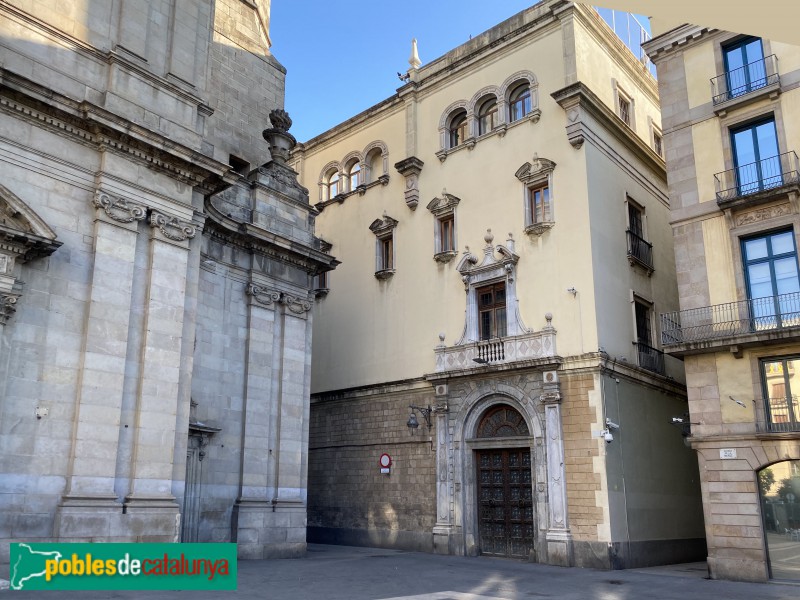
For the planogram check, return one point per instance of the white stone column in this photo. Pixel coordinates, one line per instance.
(158, 386)
(90, 486)
(559, 538)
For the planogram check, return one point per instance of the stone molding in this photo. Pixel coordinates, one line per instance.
(270, 298)
(119, 209)
(172, 228)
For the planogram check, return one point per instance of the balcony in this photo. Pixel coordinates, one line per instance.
(528, 346)
(758, 76)
(748, 322)
(640, 251)
(753, 178)
(650, 358)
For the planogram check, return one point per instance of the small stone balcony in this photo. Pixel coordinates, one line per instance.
(498, 351)
(756, 321)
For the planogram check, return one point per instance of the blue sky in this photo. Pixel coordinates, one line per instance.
(343, 57)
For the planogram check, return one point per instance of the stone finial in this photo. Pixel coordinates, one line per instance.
(278, 137)
(489, 237)
(280, 119)
(414, 60)
(441, 337)
(549, 318)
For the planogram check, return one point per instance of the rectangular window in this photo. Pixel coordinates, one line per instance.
(771, 274)
(640, 251)
(643, 328)
(321, 281)
(650, 358)
(492, 310)
(387, 254)
(447, 234)
(625, 109)
(658, 143)
(539, 199)
(745, 69)
(756, 157)
(782, 405)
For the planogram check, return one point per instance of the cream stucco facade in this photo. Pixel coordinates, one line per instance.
(731, 193)
(401, 321)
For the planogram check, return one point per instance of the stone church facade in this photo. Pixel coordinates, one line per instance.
(156, 257)
(503, 226)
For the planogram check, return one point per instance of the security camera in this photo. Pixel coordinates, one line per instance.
(611, 425)
(677, 421)
(607, 436)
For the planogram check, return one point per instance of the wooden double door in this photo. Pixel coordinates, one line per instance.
(505, 502)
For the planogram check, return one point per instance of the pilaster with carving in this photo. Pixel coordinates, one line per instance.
(442, 531)
(559, 538)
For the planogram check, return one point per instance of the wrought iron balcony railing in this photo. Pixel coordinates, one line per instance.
(650, 358)
(766, 174)
(750, 78)
(783, 414)
(731, 319)
(640, 249)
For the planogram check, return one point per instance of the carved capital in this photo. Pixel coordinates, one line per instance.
(7, 307)
(118, 209)
(172, 228)
(262, 295)
(295, 304)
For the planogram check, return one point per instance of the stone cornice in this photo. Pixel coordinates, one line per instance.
(579, 102)
(94, 126)
(257, 240)
(674, 40)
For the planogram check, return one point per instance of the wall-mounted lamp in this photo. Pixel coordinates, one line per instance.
(413, 424)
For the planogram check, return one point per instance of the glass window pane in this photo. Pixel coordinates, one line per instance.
(786, 275)
(779, 491)
(782, 243)
(743, 145)
(767, 140)
(500, 315)
(756, 248)
(760, 280)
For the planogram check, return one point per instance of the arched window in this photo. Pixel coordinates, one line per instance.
(457, 131)
(374, 161)
(332, 184)
(487, 116)
(353, 176)
(519, 102)
(502, 421)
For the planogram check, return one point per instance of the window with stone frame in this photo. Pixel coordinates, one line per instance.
(384, 230)
(457, 129)
(658, 143)
(353, 171)
(492, 310)
(648, 356)
(487, 116)
(331, 183)
(625, 105)
(537, 177)
(444, 232)
(519, 102)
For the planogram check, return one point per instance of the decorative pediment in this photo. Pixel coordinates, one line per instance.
(444, 205)
(23, 234)
(507, 259)
(384, 226)
(536, 170)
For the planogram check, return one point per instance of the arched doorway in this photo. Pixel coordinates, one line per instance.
(505, 484)
(779, 491)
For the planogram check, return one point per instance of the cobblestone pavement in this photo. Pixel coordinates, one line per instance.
(348, 573)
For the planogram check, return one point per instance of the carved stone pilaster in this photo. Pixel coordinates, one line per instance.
(559, 538)
(410, 168)
(263, 296)
(7, 307)
(172, 229)
(442, 531)
(117, 210)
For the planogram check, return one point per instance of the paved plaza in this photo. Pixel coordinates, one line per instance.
(348, 573)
